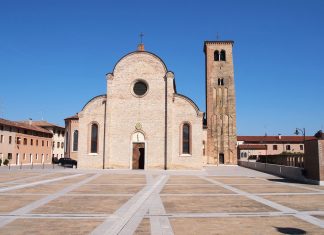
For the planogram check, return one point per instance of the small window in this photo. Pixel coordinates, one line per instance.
(275, 147)
(47, 143)
(62, 145)
(216, 55)
(223, 55)
(58, 145)
(31, 141)
(186, 138)
(1, 139)
(25, 141)
(94, 138)
(18, 140)
(301, 147)
(9, 156)
(220, 82)
(43, 143)
(36, 142)
(287, 147)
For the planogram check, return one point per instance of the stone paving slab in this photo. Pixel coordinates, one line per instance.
(83, 205)
(196, 189)
(186, 180)
(243, 225)
(43, 189)
(13, 202)
(189, 202)
(144, 228)
(50, 226)
(300, 202)
(107, 189)
(228, 203)
(238, 181)
(119, 179)
(272, 189)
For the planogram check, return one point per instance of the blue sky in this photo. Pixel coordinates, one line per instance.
(54, 55)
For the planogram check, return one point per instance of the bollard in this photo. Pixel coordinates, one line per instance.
(20, 165)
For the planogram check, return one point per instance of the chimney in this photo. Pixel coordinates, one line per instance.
(30, 121)
(140, 47)
(279, 136)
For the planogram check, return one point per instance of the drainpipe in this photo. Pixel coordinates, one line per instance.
(104, 138)
(166, 123)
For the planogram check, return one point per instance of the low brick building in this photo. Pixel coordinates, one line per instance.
(269, 145)
(24, 143)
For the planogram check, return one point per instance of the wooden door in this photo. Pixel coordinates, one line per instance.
(137, 155)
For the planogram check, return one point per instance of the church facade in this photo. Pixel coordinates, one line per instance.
(143, 123)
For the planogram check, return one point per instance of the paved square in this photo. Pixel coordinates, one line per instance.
(216, 200)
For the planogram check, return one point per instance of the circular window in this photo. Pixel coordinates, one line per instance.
(140, 88)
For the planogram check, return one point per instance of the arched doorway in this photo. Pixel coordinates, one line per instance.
(138, 151)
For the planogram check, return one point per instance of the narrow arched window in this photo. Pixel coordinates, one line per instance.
(223, 55)
(75, 140)
(216, 55)
(66, 142)
(186, 139)
(94, 138)
(222, 82)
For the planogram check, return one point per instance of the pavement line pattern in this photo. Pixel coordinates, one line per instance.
(277, 206)
(295, 185)
(133, 223)
(23, 179)
(125, 212)
(159, 224)
(37, 183)
(38, 203)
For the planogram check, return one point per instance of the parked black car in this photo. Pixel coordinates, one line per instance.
(66, 161)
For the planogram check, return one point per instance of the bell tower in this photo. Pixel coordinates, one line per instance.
(220, 103)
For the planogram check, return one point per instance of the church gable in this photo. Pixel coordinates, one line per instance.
(140, 64)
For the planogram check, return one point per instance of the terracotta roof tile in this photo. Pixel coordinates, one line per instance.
(23, 125)
(272, 139)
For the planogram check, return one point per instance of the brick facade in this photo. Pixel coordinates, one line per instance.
(154, 121)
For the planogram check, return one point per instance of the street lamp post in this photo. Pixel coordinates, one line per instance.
(302, 131)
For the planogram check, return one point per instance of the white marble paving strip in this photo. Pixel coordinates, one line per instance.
(58, 216)
(135, 220)
(125, 212)
(233, 214)
(38, 203)
(295, 185)
(28, 178)
(269, 203)
(160, 225)
(198, 194)
(37, 183)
